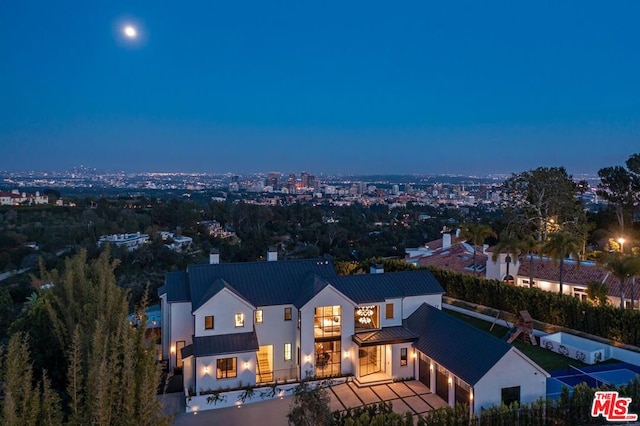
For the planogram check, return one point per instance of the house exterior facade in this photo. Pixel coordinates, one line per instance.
(576, 277)
(131, 242)
(232, 325)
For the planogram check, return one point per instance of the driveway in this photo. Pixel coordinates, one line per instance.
(405, 396)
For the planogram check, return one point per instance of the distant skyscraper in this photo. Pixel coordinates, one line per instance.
(273, 180)
(291, 183)
(395, 189)
(304, 179)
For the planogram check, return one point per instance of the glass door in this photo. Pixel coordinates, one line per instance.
(371, 360)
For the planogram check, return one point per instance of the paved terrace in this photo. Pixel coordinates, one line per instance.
(405, 396)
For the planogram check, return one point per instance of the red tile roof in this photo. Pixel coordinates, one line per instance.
(548, 270)
(458, 258)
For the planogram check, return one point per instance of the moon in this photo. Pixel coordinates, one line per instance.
(130, 31)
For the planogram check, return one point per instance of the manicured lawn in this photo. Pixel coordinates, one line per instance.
(544, 358)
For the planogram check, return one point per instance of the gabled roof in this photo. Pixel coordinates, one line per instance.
(222, 344)
(217, 286)
(291, 282)
(466, 351)
(386, 335)
(260, 283)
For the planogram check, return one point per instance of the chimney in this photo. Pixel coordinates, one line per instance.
(457, 232)
(214, 257)
(446, 241)
(484, 248)
(272, 254)
(376, 268)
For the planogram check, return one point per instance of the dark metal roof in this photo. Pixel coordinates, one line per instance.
(387, 335)
(261, 283)
(466, 351)
(222, 344)
(213, 289)
(176, 287)
(292, 282)
(309, 287)
(368, 288)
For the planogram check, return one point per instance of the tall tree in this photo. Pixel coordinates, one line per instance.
(561, 245)
(111, 374)
(622, 267)
(620, 187)
(545, 199)
(477, 233)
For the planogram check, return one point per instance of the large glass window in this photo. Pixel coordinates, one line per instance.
(327, 332)
(328, 358)
(287, 314)
(258, 316)
(367, 317)
(226, 368)
(327, 321)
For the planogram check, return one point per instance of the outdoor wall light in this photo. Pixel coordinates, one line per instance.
(431, 367)
(415, 355)
(206, 370)
(307, 358)
(246, 365)
(173, 349)
(450, 380)
(346, 354)
(470, 396)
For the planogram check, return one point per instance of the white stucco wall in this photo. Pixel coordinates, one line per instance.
(329, 296)
(246, 375)
(274, 330)
(514, 369)
(397, 313)
(498, 270)
(410, 304)
(181, 326)
(188, 379)
(393, 356)
(224, 306)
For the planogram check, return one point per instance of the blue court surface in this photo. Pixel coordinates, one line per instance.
(594, 376)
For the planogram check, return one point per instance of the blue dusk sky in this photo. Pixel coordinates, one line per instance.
(468, 87)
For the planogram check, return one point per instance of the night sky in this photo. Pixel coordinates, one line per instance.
(469, 87)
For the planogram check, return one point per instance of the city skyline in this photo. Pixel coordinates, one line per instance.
(330, 88)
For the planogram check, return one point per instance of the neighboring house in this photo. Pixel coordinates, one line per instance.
(130, 241)
(16, 198)
(451, 253)
(575, 278)
(180, 242)
(238, 324)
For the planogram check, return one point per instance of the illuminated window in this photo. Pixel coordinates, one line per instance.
(240, 320)
(367, 317)
(226, 368)
(258, 316)
(403, 356)
(287, 314)
(208, 322)
(389, 311)
(287, 352)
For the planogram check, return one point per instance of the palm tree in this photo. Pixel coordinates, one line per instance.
(622, 267)
(476, 233)
(509, 243)
(531, 246)
(560, 245)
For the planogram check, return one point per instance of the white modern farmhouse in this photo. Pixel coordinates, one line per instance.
(238, 324)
